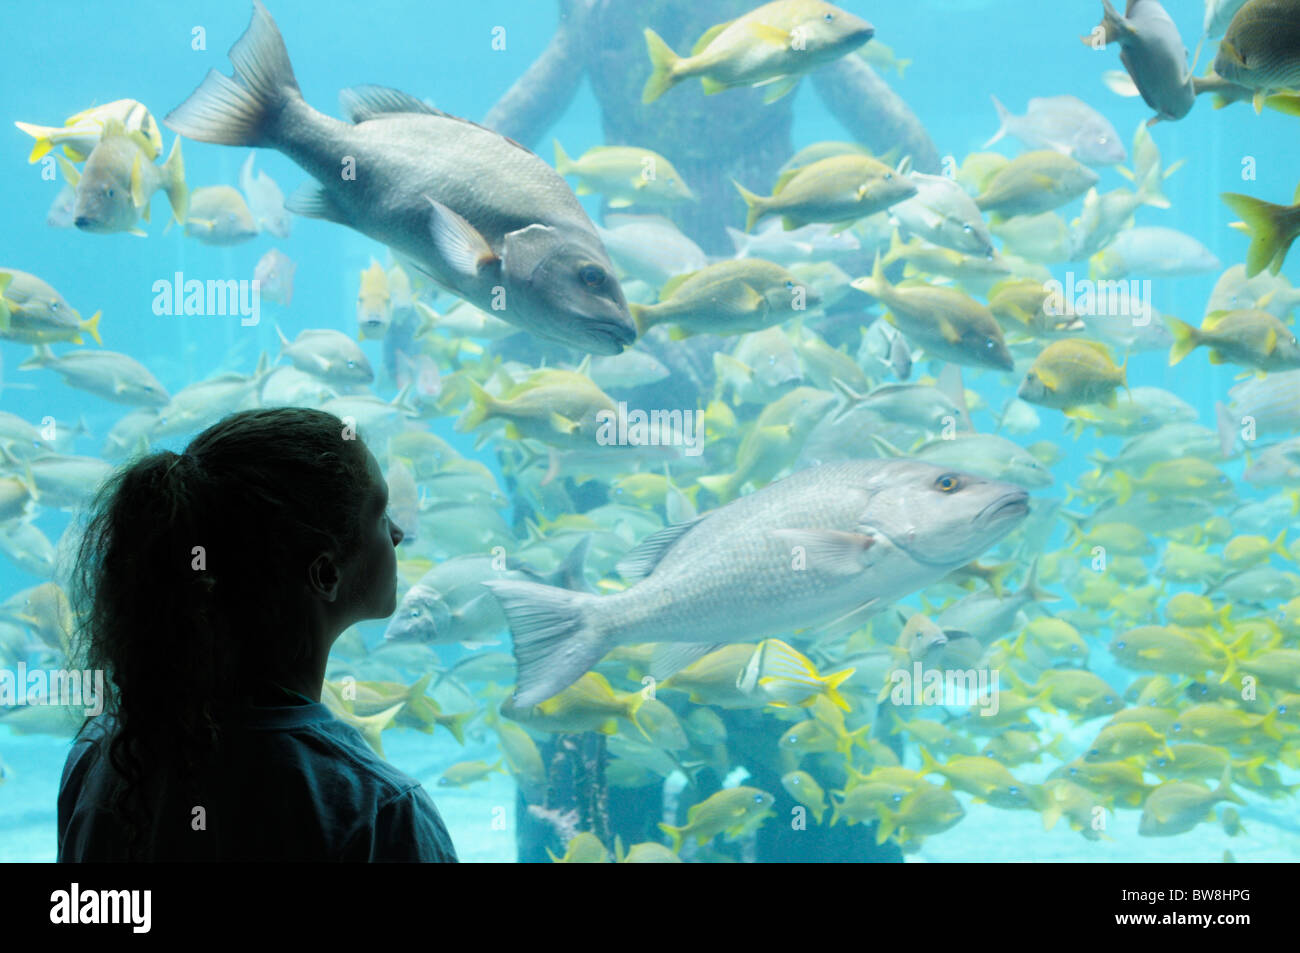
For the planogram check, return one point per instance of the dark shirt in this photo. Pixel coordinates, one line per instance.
(284, 783)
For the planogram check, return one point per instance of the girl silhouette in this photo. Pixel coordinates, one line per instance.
(210, 587)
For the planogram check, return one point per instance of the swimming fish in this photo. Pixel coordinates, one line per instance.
(473, 210)
(870, 531)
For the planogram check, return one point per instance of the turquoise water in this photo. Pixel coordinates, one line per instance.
(77, 54)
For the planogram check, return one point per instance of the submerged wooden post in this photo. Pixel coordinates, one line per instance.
(576, 798)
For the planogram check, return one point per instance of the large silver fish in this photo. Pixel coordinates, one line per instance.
(822, 545)
(1154, 55)
(477, 212)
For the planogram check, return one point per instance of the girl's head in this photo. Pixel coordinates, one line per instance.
(204, 576)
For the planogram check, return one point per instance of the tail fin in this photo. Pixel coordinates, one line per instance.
(1185, 340)
(662, 62)
(236, 111)
(42, 135)
(674, 832)
(563, 164)
(832, 683)
(719, 485)
(484, 407)
(178, 193)
(1270, 237)
(1003, 116)
(1224, 792)
(91, 327)
(554, 643)
(757, 205)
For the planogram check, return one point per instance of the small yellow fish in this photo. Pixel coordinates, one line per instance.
(733, 811)
(464, 773)
(1073, 372)
(1251, 338)
(80, 132)
(584, 848)
(784, 677)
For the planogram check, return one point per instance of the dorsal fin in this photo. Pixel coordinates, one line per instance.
(641, 561)
(360, 103)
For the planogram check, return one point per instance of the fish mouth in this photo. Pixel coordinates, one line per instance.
(1010, 506)
(606, 337)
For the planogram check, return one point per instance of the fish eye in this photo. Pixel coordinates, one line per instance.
(1281, 709)
(108, 192)
(1120, 645)
(948, 482)
(1177, 727)
(1013, 791)
(967, 229)
(592, 276)
(989, 342)
(789, 285)
(758, 799)
(888, 176)
(829, 17)
(896, 798)
(1074, 770)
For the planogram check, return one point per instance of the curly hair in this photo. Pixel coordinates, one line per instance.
(188, 580)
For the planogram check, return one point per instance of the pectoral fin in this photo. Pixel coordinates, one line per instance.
(459, 244)
(827, 550)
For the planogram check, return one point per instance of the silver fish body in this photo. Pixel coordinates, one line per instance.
(822, 544)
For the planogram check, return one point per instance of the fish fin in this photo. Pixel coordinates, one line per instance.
(234, 111)
(711, 86)
(641, 561)
(1186, 339)
(92, 325)
(561, 424)
(458, 242)
(138, 198)
(770, 34)
(1121, 84)
(1268, 241)
(554, 643)
(758, 207)
(311, 200)
(620, 202)
(69, 171)
(831, 551)
(780, 87)
(708, 36)
(663, 63)
(1003, 116)
(669, 658)
(360, 103)
(173, 177)
(563, 164)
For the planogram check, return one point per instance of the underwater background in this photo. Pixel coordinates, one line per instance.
(75, 55)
